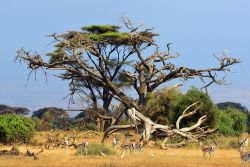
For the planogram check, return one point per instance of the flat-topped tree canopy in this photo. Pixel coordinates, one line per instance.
(100, 29)
(108, 34)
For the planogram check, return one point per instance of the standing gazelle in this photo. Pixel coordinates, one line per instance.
(115, 142)
(84, 147)
(207, 149)
(126, 146)
(131, 146)
(244, 155)
(66, 145)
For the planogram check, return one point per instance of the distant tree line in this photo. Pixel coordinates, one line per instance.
(52, 118)
(4, 109)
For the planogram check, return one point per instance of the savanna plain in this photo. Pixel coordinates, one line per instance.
(150, 156)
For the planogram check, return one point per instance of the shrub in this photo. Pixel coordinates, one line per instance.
(207, 108)
(15, 128)
(232, 122)
(225, 124)
(96, 149)
(160, 105)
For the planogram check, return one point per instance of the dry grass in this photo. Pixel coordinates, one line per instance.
(171, 158)
(166, 158)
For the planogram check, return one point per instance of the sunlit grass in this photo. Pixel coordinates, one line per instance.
(184, 157)
(150, 157)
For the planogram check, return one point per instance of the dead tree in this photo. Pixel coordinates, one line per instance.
(100, 60)
(148, 129)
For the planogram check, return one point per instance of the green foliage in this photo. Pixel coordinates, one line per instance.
(106, 33)
(207, 108)
(237, 106)
(160, 105)
(57, 56)
(232, 122)
(36, 121)
(99, 29)
(15, 128)
(248, 122)
(225, 124)
(96, 149)
(111, 37)
(109, 34)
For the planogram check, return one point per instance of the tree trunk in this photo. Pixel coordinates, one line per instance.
(102, 124)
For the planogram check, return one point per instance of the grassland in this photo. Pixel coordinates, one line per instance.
(154, 157)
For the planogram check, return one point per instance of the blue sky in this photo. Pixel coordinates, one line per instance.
(197, 29)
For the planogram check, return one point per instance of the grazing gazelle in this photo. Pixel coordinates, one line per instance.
(244, 155)
(207, 149)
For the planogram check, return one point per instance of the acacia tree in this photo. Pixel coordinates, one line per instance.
(102, 58)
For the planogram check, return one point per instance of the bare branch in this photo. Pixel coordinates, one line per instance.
(185, 114)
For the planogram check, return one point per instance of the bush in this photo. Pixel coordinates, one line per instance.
(225, 124)
(232, 122)
(160, 105)
(96, 149)
(207, 108)
(15, 128)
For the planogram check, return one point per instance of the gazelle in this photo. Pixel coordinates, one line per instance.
(115, 142)
(140, 146)
(244, 155)
(126, 146)
(84, 146)
(131, 146)
(66, 144)
(207, 149)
